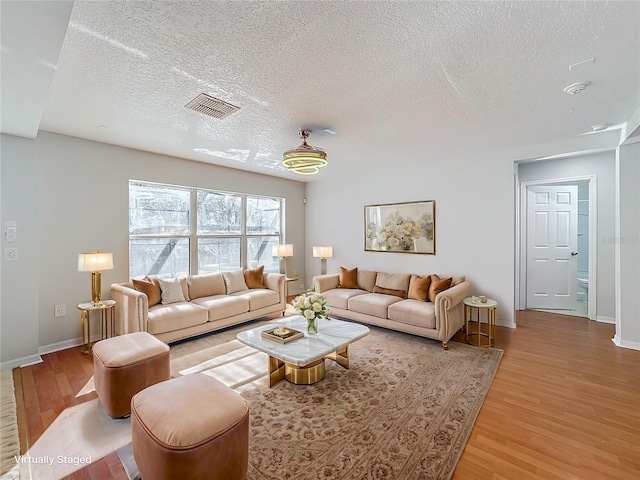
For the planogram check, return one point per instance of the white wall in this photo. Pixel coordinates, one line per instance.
(20, 286)
(627, 244)
(74, 195)
(603, 166)
(474, 222)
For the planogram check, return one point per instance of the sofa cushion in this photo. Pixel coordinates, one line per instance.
(171, 291)
(367, 280)
(176, 316)
(259, 298)
(397, 281)
(419, 287)
(254, 278)
(414, 312)
(457, 280)
(206, 285)
(348, 278)
(234, 281)
(438, 285)
(339, 297)
(150, 286)
(389, 291)
(223, 306)
(375, 304)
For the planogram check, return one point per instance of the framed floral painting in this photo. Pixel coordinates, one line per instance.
(401, 227)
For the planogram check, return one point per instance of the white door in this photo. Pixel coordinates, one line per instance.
(552, 240)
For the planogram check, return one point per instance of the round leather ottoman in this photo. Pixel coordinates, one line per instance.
(191, 427)
(124, 365)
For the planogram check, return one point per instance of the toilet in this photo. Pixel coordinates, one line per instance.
(583, 284)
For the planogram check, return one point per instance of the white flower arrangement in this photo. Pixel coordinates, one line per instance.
(311, 305)
(396, 233)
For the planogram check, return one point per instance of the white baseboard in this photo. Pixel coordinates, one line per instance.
(21, 362)
(56, 347)
(505, 323)
(605, 319)
(43, 350)
(625, 344)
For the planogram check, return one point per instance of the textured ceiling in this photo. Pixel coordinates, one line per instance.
(417, 81)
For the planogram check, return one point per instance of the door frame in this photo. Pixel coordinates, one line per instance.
(522, 189)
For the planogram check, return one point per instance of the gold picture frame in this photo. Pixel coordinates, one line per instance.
(401, 227)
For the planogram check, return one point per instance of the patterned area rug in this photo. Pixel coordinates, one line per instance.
(9, 441)
(404, 410)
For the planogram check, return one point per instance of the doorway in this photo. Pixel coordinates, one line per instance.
(557, 230)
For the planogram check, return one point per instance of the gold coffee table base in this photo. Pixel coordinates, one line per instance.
(307, 374)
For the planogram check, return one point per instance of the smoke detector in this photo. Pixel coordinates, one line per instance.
(576, 87)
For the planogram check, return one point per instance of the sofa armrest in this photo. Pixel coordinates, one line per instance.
(449, 310)
(131, 310)
(326, 282)
(275, 282)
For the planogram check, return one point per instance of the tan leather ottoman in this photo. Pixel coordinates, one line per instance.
(191, 427)
(124, 365)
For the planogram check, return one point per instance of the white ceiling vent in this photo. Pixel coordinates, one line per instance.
(214, 107)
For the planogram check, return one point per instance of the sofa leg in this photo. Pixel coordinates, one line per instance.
(445, 345)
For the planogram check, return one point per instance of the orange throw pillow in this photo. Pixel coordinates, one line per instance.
(348, 278)
(419, 288)
(438, 285)
(150, 286)
(389, 291)
(254, 278)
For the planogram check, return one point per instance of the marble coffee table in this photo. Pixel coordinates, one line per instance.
(301, 361)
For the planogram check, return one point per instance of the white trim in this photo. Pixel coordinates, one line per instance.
(21, 362)
(64, 345)
(592, 311)
(521, 212)
(616, 254)
(624, 344)
(505, 323)
(602, 319)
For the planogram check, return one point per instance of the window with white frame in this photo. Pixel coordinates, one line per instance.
(177, 230)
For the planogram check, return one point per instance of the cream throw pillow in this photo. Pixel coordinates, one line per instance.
(234, 281)
(171, 291)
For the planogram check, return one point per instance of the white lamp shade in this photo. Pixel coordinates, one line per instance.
(323, 252)
(285, 250)
(95, 261)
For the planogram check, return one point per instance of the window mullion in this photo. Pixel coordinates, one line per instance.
(193, 233)
(243, 233)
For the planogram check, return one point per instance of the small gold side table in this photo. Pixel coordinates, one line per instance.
(105, 308)
(476, 337)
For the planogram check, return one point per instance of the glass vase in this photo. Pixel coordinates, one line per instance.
(312, 325)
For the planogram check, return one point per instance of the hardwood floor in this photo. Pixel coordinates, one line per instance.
(565, 404)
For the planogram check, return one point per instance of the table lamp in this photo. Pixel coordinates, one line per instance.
(95, 262)
(282, 251)
(323, 253)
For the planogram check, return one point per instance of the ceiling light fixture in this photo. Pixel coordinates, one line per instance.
(600, 127)
(305, 159)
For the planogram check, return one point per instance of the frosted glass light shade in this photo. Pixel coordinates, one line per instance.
(323, 252)
(95, 261)
(281, 251)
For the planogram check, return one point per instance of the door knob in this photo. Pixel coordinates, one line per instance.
(573, 254)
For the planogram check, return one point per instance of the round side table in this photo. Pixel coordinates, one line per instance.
(105, 308)
(476, 336)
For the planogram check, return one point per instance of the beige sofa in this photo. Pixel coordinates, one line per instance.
(439, 320)
(209, 305)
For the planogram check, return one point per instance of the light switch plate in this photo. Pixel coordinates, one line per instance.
(10, 230)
